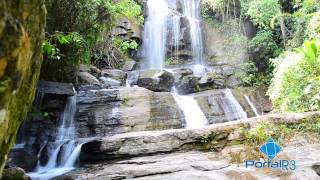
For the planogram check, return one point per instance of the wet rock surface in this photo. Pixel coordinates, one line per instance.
(217, 104)
(152, 142)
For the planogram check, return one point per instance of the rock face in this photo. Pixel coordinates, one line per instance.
(40, 125)
(47, 87)
(153, 142)
(156, 80)
(113, 111)
(218, 107)
(21, 34)
(224, 56)
(87, 78)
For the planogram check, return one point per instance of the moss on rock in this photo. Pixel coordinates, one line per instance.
(21, 34)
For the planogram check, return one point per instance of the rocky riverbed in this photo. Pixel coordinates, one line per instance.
(164, 154)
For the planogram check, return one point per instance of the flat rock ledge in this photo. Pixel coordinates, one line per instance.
(154, 142)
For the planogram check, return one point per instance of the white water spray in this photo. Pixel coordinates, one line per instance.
(231, 107)
(155, 33)
(194, 117)
(252, 106)
(191, 9)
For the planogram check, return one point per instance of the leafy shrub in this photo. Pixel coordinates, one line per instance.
(129, 9)
(253, 77)
(263, 47)
(262, 11)
(296, 83)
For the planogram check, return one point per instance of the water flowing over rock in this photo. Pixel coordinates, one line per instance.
(228, 105)
(172, 33)
(20, 62)
(155, 33)
(64, 151)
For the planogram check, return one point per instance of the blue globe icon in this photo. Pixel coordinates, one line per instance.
(270, 149)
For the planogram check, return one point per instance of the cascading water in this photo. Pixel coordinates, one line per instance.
(191, 9)
(163, 16)
(254, 109)
(193, 115)
(155, 33)
(231, 107)
(64, 151)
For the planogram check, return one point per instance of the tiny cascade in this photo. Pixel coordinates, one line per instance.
(252, 106)
(231, 107)
(194, 117)
(65, 150)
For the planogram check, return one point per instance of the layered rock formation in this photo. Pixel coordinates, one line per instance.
(114, 111)
(21, 35)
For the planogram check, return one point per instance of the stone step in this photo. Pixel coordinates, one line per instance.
(214, 137)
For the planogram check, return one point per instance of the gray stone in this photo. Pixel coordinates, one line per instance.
(109, 82)
(188, 84)
(180, 73)
(95, 71)
(129, 65)
(152, 142)
(58, 88)
(213, 102)
(132, 78)
(87, 78)
(107, 112)
(156, 80)
(21, 158)
(113, 73)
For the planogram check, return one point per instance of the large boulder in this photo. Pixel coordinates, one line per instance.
(107, 112)
(129, 65)
(87, 78)
(109, 82)
(22, 26)
(15, 174)
(116, 74)
(21, 158)
(156, 80)
(188, 84)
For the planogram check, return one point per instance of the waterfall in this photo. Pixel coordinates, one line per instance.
(193, 115)
(155, 33)
(191, 9)
(254, 109)
(163, 16)
(64, 151)
(231, 107)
